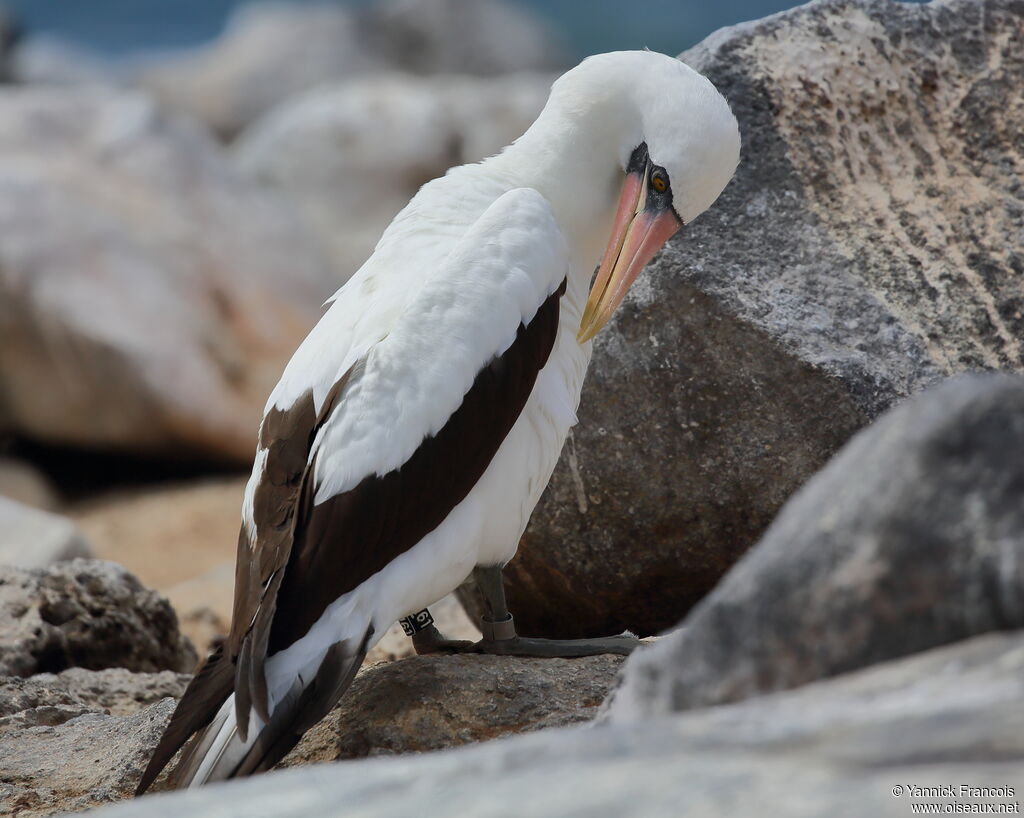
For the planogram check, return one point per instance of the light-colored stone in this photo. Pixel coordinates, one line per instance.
(837, 748)
(83, 762)
(114, 691)
(30, 538)
(911, 537)
(871, 242)
(149, 295)
(351, 155)
(85, 613)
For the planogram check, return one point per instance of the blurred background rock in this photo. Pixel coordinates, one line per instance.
(183, 183)
(181, 186)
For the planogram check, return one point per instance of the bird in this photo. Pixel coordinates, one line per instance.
(413, 431)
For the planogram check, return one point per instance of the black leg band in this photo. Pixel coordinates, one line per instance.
(416, 622)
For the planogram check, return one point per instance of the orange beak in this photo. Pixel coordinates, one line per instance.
(637, 234)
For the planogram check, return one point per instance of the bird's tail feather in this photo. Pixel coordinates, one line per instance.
(218, 751)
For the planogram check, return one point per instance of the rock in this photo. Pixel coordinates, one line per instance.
(451, 36)
(24, 483)
(149, 296)
(30, 538)
(253, 65)
(869, 244)
(80, 763)
(403, 707)
(432, 702)
(27, 702)
(912, 537)
(85, 613)
(77, 738)
(838, 748)
(351, 155)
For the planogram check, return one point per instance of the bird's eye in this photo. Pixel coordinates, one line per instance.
(659, 181)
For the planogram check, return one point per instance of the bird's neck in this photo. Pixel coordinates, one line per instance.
(573, 159)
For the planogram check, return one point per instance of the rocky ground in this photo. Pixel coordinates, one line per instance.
(811, 494)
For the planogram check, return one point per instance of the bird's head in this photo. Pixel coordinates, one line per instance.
(675, 143)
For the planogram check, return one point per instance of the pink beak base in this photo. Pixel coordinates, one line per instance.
(636, 237)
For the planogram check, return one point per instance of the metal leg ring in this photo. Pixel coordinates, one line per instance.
(498, 631)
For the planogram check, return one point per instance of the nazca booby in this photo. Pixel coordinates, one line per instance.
(413, 431)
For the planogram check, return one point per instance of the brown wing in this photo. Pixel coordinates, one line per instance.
(287, 436)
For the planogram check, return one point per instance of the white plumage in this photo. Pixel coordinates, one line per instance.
(454, 287)
(414, 378)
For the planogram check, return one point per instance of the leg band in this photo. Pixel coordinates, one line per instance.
(416, 622)
(498, 631)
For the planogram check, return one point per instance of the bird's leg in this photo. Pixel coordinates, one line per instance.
(499, 630)
(426, 638)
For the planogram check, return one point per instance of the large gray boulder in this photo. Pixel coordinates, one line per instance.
(871, 242)
(912, 537)
(350, 155)
(838, 748)
(149, 294)
(86, 613)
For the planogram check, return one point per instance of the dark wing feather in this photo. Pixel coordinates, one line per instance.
(203, 697)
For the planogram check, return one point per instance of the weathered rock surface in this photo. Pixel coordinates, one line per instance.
(432, 702)
(351, 155)
(836, 748)
(912, 537)
(870, 243)
(417, 704)
(149, 295)
(86, 613)
(30, 538)
(88, 760)
(53, 698)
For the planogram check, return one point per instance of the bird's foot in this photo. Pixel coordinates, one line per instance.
(431, 640)
(500, 638)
